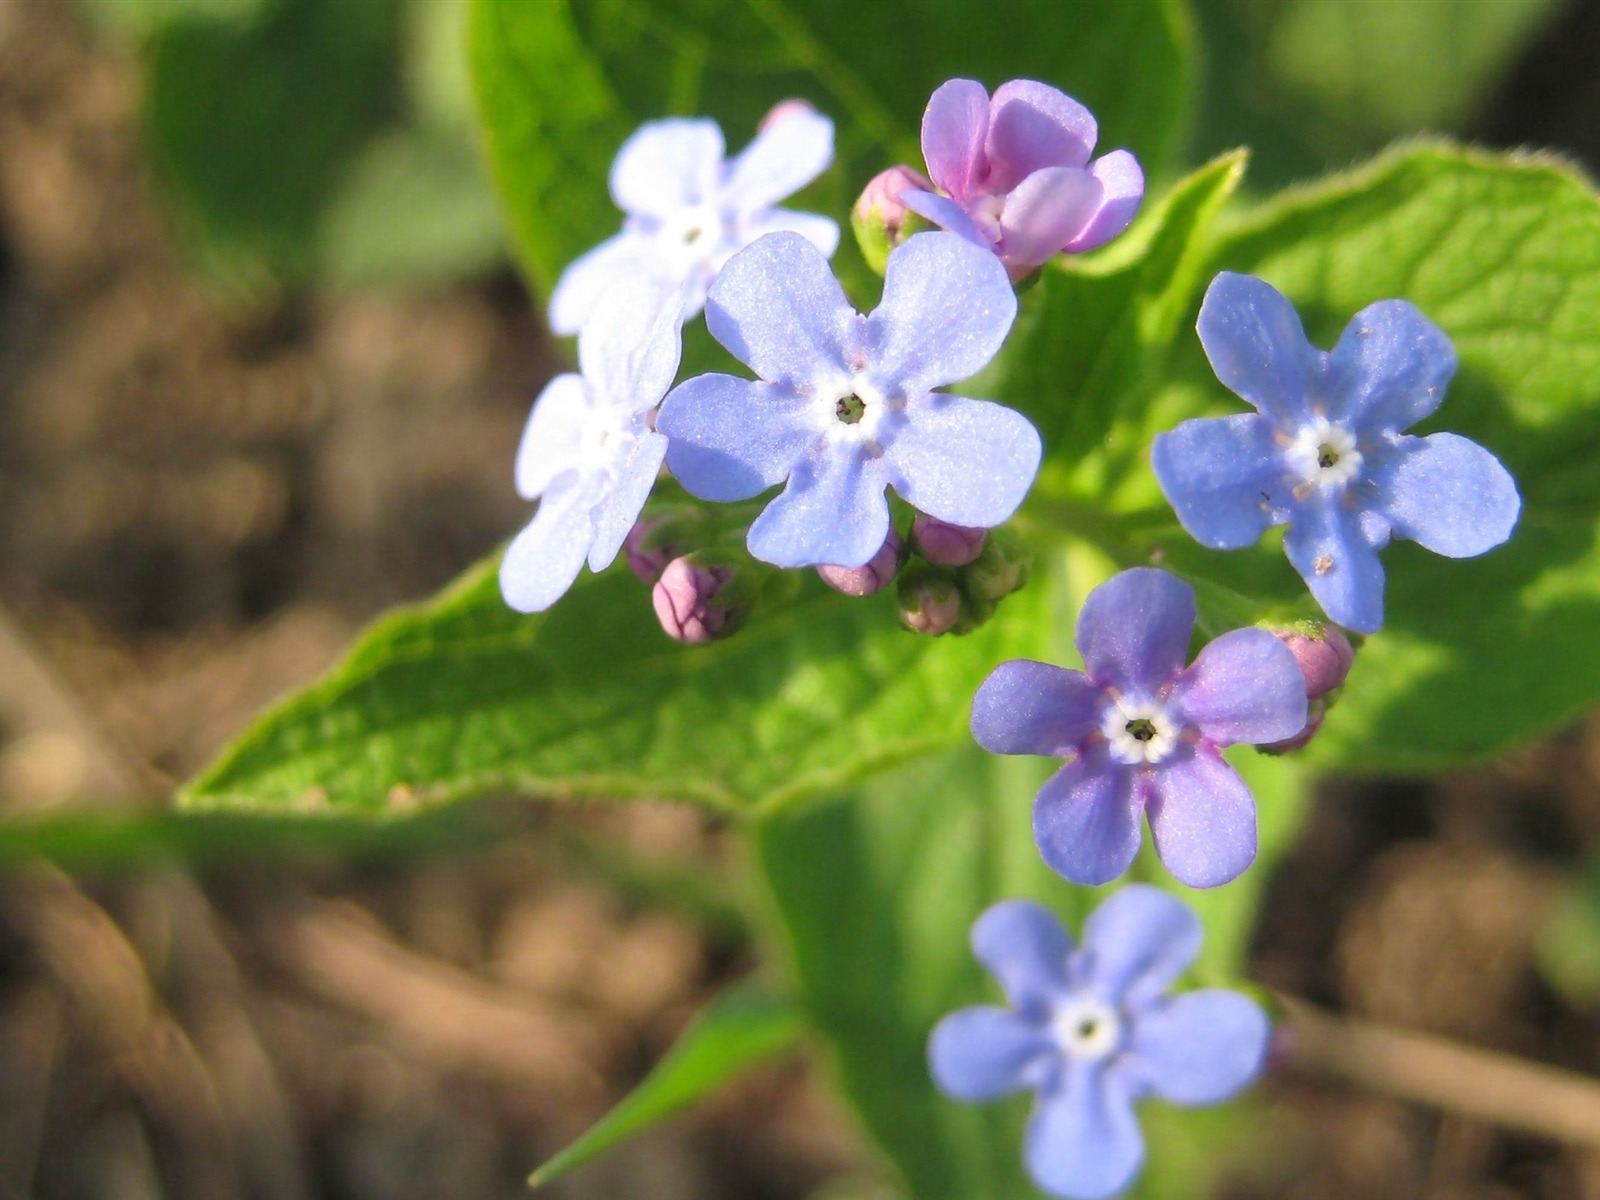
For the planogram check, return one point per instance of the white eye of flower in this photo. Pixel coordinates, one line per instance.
(690, 236)
(1325, 454)
(1085, 1027)
(1139, 732)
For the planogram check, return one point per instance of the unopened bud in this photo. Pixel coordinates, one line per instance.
(1323, 654)
(930, 602)
(692, 600)
(1001, 568)
(1314, 717)
(945, 544)
(646, 551)
(874, 575)
(881, 219)
(782, 109)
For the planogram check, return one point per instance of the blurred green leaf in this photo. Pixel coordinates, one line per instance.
(138, 18)
(463, 697)
(560, 84)
(876, 896)
(740, 1029)
(1568, 946)
(251, 125)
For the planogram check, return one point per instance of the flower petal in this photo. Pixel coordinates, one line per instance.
(821, 232)
(969, 462)
(629, 347)
(1033, 126)
(629, 490)
(1224, 477)
(979, 1054)
(1389, 369)
(1202, 818)
(616, 262)
(1200, 1047)
(1244, 687)
(1137, 942)
(1028, 707)
(1446, 493)
(668, 165)
(1326, 544)
(1083, 1141)
(1025, 948)
(544, 559)
(1133, 632)
(1044, 213)
(1257, 346)
(947, 307)
(1121, 192)
(954, 126)
(945, 213)
(777, 307)
(833, 513)
(1086, 819)
(731, 438)
(551, 439)
(779, 161)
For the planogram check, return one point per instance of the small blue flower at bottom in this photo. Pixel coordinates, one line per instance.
(1324, 452)
(1091, 1029)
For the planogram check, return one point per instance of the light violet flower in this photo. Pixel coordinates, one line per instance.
(1324, 452)
(1143, 733)
(1091, 1029)
(688, 211)
(844, 407)
(589, 454)
(1016, 175)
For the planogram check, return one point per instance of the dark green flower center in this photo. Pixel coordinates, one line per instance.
(1141, 729)
(849, 409)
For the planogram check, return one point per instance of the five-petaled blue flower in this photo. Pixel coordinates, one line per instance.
(1143, 733)
(844, 407)
(688, 211)
(1091, 1031)
(1324, 452)
(588, 453)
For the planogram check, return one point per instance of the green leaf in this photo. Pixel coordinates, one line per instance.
(250, 125)
(1503, 252)
(463, 696)
(740, 1029)
(875, 897)
(560, 84)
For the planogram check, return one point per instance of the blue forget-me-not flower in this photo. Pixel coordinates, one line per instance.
(589, 454)
(1142, 733)
(689, 211)
(1090, 1030)
(844, 405)
(1325, 453)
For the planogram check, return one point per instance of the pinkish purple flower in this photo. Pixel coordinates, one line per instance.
(1142, 733)
(873, 576)
(1016, 176)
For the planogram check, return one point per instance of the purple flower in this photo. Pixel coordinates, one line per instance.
(688, 211)
(1324, 453)
(844, 407)
(1142, 733)
(1090, 1031)
(1016, 175)
(588, 453)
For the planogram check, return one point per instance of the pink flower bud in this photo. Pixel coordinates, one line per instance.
(782, 109)
(685, 600)
(879, 204)
(871, 577)
(1301, 740)
(945, 544)
(1323, 653)
(645, 560)
(929, 603)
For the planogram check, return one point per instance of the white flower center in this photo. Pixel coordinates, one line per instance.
(691, 236)
(1324, 455)
(1139, 731)
(1085, 1027)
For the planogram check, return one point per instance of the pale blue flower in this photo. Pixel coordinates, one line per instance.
(1091, 1030)
(844, 406)
(1324, 452)
(589, 454)
(688, 211)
